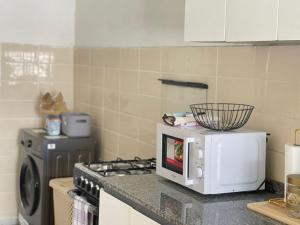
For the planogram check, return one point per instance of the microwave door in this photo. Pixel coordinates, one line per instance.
(175, 158)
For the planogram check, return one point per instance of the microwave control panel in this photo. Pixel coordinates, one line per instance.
(196, 161)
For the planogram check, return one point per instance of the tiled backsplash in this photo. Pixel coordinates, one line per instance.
(26, 72)
(119, 87)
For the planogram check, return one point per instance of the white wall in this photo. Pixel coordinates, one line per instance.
(46, 22)
(108, 23)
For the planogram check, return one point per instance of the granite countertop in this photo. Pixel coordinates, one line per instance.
(171, 204)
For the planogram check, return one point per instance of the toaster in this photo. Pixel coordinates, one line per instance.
(76, 124)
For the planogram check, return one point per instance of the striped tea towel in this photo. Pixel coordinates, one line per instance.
(80, 211)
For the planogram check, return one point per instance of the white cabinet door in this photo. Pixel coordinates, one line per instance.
(251, 20)
(137, 218)
(205, 20)
(113, 211)
(289, 20)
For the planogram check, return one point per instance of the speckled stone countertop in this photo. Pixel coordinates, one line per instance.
(170, 204)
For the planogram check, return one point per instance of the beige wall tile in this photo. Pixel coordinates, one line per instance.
(281, 98)
(8, 203)
(13, 126)
(82, 75)
(111, 121)
(129, 81)
(112, 79)
(66, 89)
(129, 103)
(10, 184)
(82, 56)
(111, 100)
(45, 72)
(149, 108)
(110, 141)
(11, 90)
(284, 63)
(150, 59)
(235, 90)
(129, 58)
(97, 57)
(112, 57)
(236, 61)
(62, 73)
(12, 145)
(81, 94)
(19, 71)
(147, 131)
(149, 84)
(81, 107)
(275, 166)
(19, 109)
(146, 151)
(189, 60)
(96, 96)
(97, 116)
(107, 155)
(261, 61)
(56, 55)
(128, 148)
(97, 77)
(260, 95)
(20, 53)
(8, 165)
(129, 125)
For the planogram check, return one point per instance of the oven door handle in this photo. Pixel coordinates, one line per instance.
(186, 165)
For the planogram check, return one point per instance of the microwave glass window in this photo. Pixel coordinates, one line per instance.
(172, 157)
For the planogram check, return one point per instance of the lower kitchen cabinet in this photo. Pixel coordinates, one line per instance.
(115, 212)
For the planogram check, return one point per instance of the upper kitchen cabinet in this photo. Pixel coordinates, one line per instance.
(251, 20)
(289, 20)
(205, 20)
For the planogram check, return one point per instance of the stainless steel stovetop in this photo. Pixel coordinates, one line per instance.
(86, 175)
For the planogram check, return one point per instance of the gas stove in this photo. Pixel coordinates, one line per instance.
(87, 176)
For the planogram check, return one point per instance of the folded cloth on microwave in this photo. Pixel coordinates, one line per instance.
(80, 214)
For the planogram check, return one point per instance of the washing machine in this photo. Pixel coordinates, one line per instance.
(42, 159)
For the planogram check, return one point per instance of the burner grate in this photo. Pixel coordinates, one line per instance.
(120, 167)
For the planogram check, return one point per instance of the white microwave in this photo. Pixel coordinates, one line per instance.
(211, 162)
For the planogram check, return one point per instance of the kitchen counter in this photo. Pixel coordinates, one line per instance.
(171, 204)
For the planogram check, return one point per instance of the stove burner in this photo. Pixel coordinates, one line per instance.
(100, 167)
(120, 167)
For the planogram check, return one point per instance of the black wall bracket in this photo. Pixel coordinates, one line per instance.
(184, 83)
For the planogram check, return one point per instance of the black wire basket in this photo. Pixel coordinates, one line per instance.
(221, 116)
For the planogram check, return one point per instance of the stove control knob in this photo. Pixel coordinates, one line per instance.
(200, 154)
(77, 181)
(80, 181)
(199, 172)
(89, 186)
(83, 183)
(97, 191)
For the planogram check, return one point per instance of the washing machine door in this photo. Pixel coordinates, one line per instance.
(29, 185)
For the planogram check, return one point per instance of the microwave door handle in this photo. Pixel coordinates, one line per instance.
(187, 143)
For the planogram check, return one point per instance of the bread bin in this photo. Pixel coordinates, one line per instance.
(76, 124)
